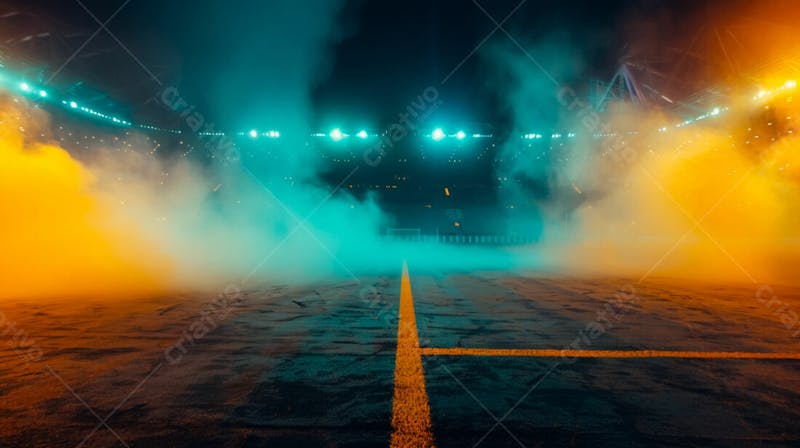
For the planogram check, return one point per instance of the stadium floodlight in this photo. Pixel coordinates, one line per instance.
(273, 134)
(25, 87)
(790, 84)
(253, 133)
(460, 135)
(715, 111)
(43, 93)
(73, 104)
(362, 134)
(336, 135)
(437, 134)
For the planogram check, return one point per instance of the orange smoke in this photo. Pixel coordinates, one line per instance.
(717, 199)
(58, 238)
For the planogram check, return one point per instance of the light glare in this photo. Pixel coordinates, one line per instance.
(336, 135)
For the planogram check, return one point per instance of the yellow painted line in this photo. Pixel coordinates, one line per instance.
(411, 413)
(551, 353)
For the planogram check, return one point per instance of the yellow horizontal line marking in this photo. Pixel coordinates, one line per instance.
(554, 353)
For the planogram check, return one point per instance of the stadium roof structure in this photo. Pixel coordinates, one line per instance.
(685, 82)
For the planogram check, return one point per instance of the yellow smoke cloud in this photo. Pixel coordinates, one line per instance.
(58, 238)
(716, 200)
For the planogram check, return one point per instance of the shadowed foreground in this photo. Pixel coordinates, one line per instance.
(315, 366)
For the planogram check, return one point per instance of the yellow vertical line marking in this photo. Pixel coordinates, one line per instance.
(411, 413)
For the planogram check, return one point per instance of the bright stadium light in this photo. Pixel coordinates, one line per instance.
(273, 134)
(73, 104)
(460, 135)
(25, 87)
(791, 84)
(336, 134)
(437, 134)
(253, 133)
(43, 93)
(362, 134)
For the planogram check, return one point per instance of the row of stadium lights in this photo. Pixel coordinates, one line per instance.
(762, 94)
(788, 85)
(553, 136)
(337, 134)
(439, 134)
(90, 111)
(25, 87)
(30, 90)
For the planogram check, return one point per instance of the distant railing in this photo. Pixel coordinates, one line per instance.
(404, 234)
(479, 239)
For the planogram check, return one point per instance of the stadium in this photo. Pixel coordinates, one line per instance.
(354, 223)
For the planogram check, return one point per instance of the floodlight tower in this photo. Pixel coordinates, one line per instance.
(622, 87)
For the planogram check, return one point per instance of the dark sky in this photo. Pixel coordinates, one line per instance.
(239, 59)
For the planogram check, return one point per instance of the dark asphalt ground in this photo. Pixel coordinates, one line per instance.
(314, 365)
